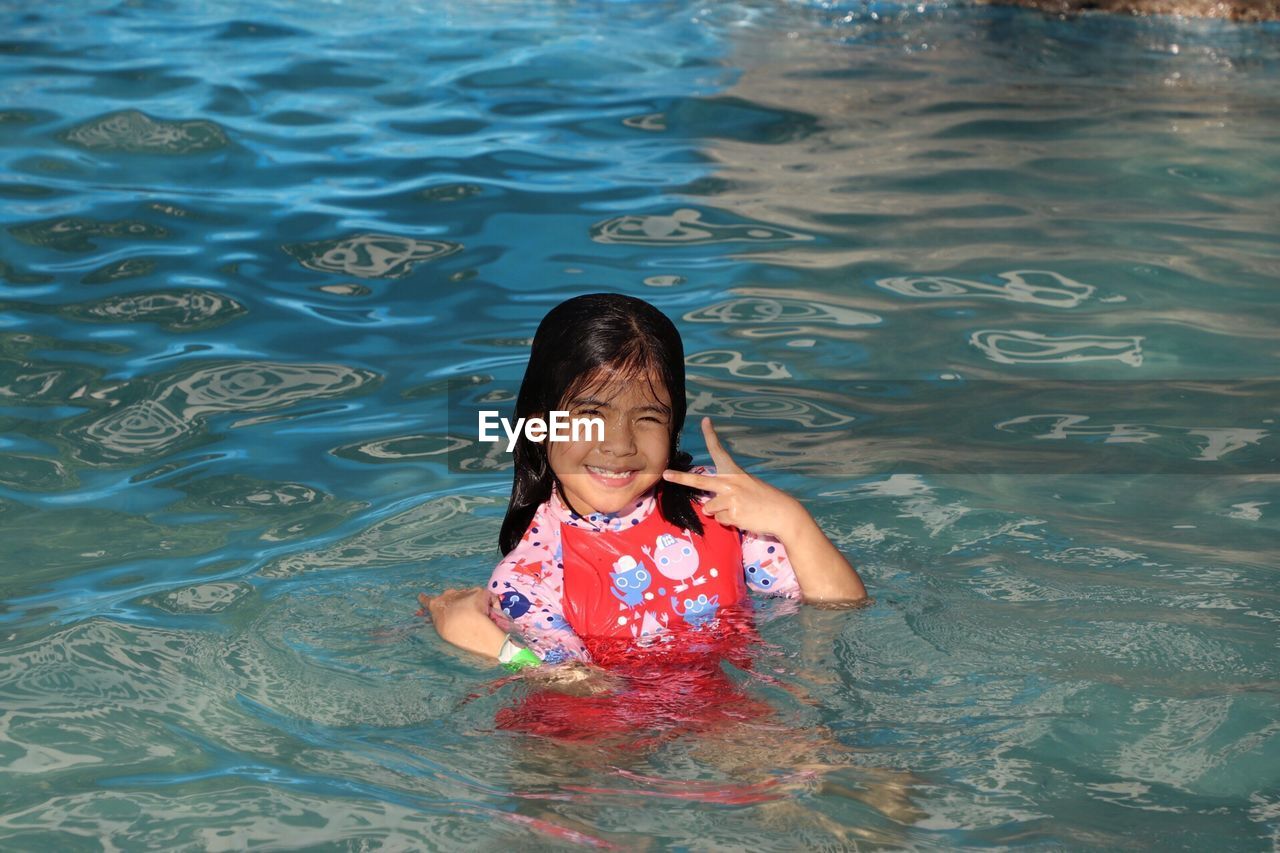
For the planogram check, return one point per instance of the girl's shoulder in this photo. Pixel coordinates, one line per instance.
(543, 527)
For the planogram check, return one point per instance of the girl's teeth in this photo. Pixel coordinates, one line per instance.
(615, 475)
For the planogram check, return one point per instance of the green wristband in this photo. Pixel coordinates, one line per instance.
(522, 660)
(515, 657)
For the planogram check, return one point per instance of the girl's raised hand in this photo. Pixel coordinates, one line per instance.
(739, 499)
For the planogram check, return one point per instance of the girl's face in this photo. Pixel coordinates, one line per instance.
(610, 475)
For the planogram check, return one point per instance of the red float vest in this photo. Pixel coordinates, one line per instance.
(678, 595)
(650, 582)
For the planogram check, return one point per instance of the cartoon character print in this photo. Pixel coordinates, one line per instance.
(551, 621)
(697, 612)
(676, 559)
(630, 580)
(758, 577)
(650, 628)
(514, 604)
(535, 572)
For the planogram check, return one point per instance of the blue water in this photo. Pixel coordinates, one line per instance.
(994, 293)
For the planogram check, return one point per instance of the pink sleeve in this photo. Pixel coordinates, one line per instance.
(764, 561)
(529, 583)
(766, 567)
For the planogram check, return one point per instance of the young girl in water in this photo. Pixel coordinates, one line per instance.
(617, 545)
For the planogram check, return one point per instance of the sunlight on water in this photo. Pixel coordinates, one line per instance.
(991, 291)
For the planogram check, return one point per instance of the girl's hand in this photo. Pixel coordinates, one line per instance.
(461, 616)
(739, 499)
(746, 503)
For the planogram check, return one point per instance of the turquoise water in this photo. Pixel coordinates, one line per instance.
(248, 248)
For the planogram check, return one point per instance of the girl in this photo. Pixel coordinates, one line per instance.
(617, 545)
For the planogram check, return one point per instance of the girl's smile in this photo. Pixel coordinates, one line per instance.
(612, 478)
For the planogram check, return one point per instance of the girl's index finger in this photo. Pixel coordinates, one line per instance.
(701, 482)
(720, 456)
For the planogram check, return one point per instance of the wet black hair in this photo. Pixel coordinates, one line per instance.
(587, 341)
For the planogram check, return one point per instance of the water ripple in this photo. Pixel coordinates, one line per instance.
(738, 365)
(75, 234)
(684, 227)
(173, 416)
(764, 403)
(440, 527)
(1021, 347)
(136, 132)
(122, 269)
(140, 430)
(175, 310)
(262, 386)
(747, 311)
(213, 597)
(370, 255)
(1060, 292)
(400, 448)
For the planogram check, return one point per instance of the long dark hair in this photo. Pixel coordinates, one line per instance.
(580, 341)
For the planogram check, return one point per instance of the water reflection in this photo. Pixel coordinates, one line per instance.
(441, 527)
(233, 491)
(213, 597)
(1015, 346)
(400, 448)
(759, 403)
(755, 310)
(25, 383)
(1216, 443)
(134, 132)
(261, 386)
(653, 122)
(13, 275)
(450, 192)
(75, 234)
(118, 270)
(172, 415)
(370, 255)
(1016, 286)
(346, 289)
(684, 227)
(738, 365)
(177, 310)
(35, 473)
(141, 430)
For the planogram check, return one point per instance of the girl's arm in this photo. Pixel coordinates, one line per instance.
(527, 591)
(523, 596)
(461, 617)
(742, 501)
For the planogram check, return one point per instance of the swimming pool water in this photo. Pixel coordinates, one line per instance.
(993, 292)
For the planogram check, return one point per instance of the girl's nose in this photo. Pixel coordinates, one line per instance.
(618, 438)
